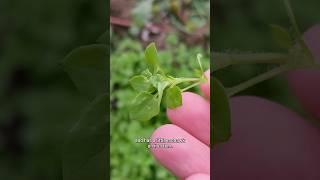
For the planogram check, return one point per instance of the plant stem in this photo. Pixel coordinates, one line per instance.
(191, 86)
(265, 76)
(182, 80)
(222, 60)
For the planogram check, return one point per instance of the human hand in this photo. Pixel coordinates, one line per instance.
(304, 83)
(191, 121)
(270, 141)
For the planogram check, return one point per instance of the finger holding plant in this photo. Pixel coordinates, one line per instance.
(304, 82)
(154, 87)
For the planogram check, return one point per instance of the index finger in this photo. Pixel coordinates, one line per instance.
(205, 87)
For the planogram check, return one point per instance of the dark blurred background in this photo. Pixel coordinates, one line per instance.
(38, 102)
(244, 27)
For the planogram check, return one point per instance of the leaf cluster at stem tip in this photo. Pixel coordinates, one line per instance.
(154, 87)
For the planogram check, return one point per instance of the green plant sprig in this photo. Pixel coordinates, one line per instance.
(154, 87)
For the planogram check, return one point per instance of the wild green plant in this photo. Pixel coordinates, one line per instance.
(155, 87)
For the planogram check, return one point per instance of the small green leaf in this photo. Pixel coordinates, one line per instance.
(281, 36)
(161, 87)
(144, 107)
(298, 35)
(160, 83)
(199, 56)
(173, 97)
(221, 125)
(141, 83)
(146, 73)
(88, 66)
(156, 79)
(151, 56)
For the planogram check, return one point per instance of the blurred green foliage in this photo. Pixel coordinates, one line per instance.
(38, 102)
(129, 159)
(185, 15)
(85, 151)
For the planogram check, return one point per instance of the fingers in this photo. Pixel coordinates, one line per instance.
(193, 116)
(205, 87)
(268, 141)
(183, 159)
(312, 39)
(304, 82)
(191, 121)
(199, 177)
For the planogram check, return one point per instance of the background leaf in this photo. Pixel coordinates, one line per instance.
(142, 13)
(221, 124)
(86, 148)
(88, 66)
